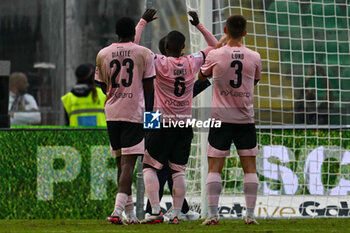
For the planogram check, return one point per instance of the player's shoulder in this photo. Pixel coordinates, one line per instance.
(142, 49)
(108, 47)
(162, 59)
(137, 46)
(194, 58)
(105, 50)
(195, 55)
(216, 53)
(221, 50)
(253, 53)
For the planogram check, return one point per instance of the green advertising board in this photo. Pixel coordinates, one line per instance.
(69, 173)
(56, 174)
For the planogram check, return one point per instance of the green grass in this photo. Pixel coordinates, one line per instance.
(87, 226)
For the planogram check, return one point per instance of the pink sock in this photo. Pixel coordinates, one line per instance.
(250, 187)
(214, 186)
(179, 189)
(152, 186)
(129, 207)
(120, 202)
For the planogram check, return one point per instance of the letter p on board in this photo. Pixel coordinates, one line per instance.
(47, 175)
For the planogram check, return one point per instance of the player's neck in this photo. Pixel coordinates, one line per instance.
(235, 42)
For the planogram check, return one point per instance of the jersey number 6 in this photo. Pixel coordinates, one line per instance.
(178, 84)
(117, 70)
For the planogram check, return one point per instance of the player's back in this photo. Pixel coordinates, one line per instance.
(235, 70)
(174, 85)
(123, 66)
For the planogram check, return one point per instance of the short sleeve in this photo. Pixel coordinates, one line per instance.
(207, 68)
(197, 60)
(150, 71)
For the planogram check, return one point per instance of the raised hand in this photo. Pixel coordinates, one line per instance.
(149, 15)
(195, 20)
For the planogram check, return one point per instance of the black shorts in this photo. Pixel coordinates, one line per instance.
(127, 136)
(242, 135)
(169, 144)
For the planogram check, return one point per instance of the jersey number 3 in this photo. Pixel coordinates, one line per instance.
(238, 66)
(126, 83)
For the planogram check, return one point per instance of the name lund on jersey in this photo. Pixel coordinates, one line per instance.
(237, 56)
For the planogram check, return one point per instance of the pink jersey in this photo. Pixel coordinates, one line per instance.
(122, 67)
(173, 87)
(234, 70)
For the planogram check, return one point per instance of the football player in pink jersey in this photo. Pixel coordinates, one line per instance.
(235, 70)
(164, 175)
(173, 98)
(126, 71)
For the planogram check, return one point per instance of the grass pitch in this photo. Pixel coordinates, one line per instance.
(89, 226)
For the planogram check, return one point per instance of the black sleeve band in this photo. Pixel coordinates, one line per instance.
(102, 85)
(98, 82)
(153, 77)
(203, 56)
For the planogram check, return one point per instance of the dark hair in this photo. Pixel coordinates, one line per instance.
(85, 74)
(236, 25)
(125, 27)
(175, 41)
(161, 45)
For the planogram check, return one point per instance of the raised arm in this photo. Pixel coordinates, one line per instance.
(208, 36)
(147, 17)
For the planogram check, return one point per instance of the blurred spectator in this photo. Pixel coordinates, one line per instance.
(84, 104)
(23, 109)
